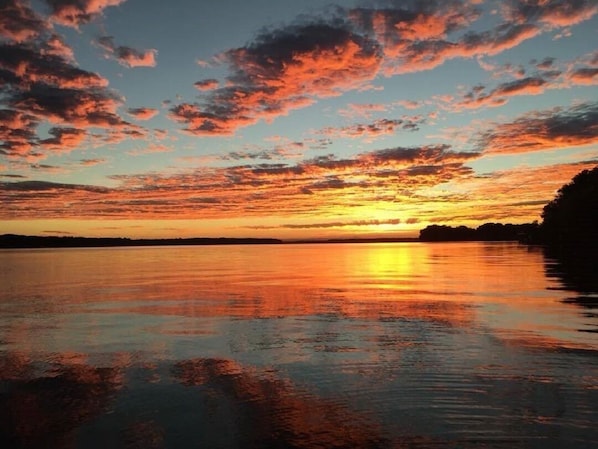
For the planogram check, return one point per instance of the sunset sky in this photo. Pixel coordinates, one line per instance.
(290, 119)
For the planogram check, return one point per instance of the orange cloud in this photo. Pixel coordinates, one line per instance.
(282, 71)
(311, 187)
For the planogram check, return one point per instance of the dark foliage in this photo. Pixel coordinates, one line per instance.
(570, 220)
(485, 232)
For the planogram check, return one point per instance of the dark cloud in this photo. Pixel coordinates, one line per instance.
(478, 96)
(90, 107)
(585, 75)
(24, 65)
(546, 64)
(18, 22)
(17, 132)
(41, 186)
(12, 175)
(128, 56)
(544, 130)
(207, 84)
(555, 13)
(375, 129)
(47, 168)
(64, 139)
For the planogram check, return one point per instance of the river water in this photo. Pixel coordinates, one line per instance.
(402, 345)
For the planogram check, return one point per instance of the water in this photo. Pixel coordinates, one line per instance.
(459, 345)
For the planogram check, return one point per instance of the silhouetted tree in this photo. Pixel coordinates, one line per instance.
(486, 232)
(570, 220)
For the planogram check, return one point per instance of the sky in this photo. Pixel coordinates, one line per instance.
(290, 119)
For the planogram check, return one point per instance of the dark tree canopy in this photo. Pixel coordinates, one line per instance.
(570, 220)
(485, 232)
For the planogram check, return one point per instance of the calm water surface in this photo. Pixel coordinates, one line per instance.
(406, 345)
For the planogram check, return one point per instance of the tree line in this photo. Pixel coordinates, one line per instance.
(569, 221)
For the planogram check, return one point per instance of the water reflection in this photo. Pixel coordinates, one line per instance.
(270, 412)
(577, 273)
(386, 345)
(44, 410)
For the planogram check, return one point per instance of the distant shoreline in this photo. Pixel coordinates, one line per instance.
(13, 241)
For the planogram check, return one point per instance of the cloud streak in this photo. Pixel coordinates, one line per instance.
(313, 187)
(375, 129)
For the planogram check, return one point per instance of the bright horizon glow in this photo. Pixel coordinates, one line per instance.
(290, 119)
